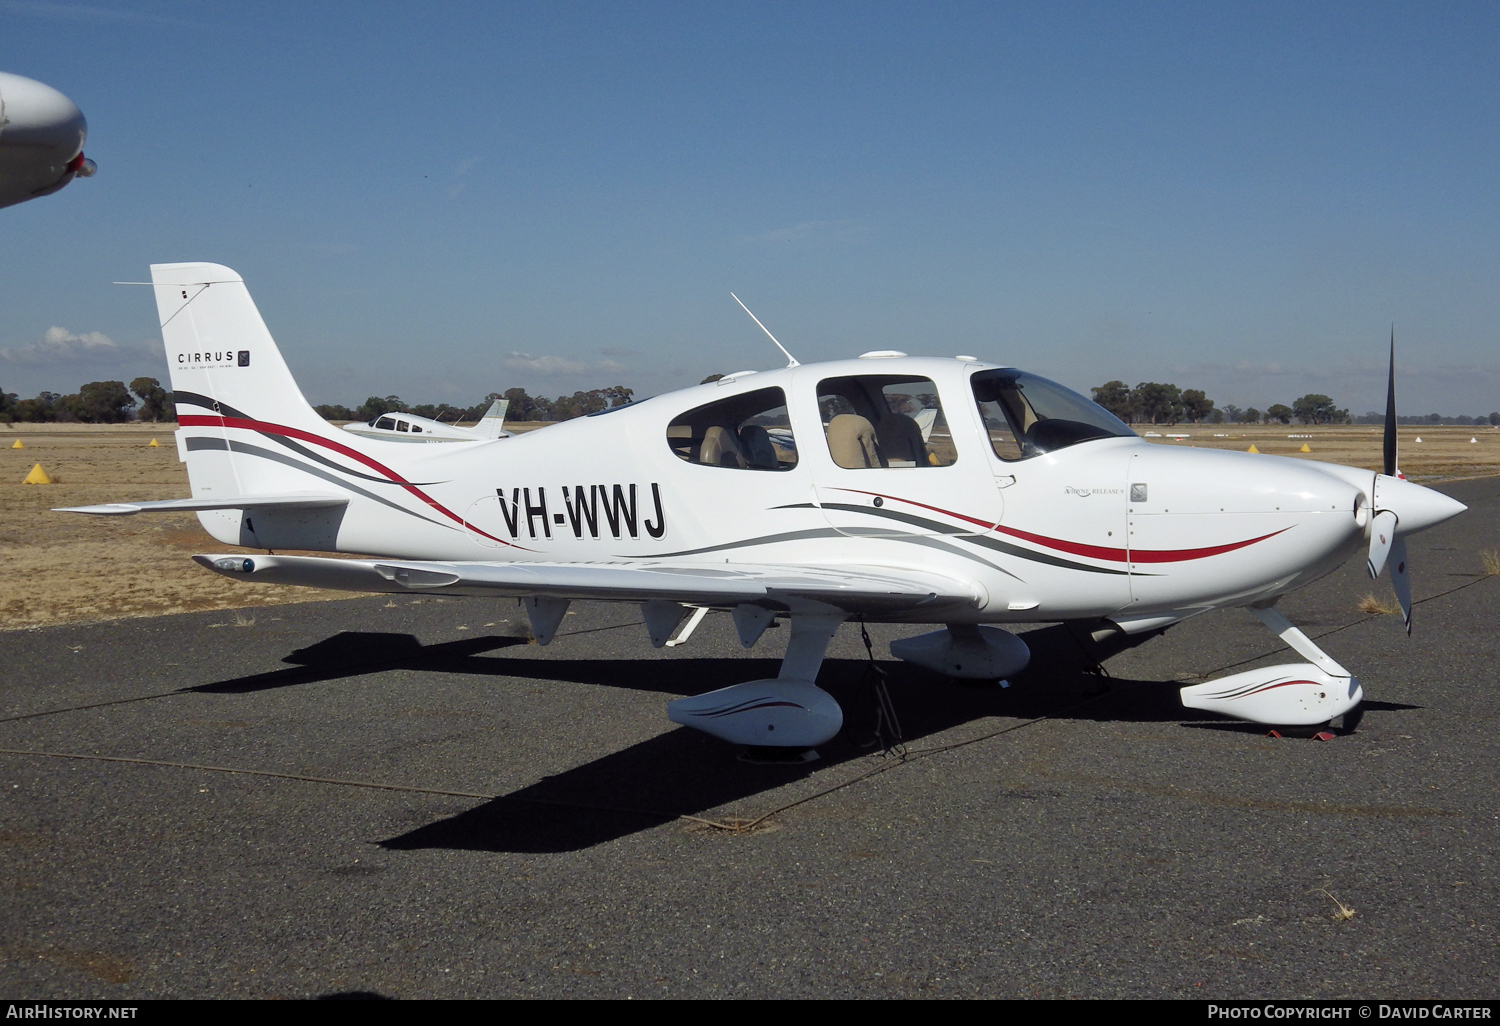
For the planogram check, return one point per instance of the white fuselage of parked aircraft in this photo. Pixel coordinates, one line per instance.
(893, 488)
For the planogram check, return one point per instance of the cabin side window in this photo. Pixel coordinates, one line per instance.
(743, 432)
(386, 424)
(885, 420)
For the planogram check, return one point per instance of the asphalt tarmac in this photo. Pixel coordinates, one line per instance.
(429, 806)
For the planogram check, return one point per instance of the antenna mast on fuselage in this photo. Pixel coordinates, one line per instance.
(791, 361)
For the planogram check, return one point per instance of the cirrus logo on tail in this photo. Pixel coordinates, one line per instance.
(217, 358)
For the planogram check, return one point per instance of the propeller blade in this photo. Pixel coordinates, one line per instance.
(1401, 580)
(1390, 412)
(1382, 535)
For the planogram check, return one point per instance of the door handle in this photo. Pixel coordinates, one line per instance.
(1005, 480)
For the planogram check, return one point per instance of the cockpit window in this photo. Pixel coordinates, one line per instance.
(884, 420)
(402, 425)
(744, 432)
(386, 423)
(1025, 415)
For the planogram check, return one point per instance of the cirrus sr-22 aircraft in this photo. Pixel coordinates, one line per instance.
(953, 492)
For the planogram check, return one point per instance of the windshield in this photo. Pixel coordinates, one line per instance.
(1025, 415)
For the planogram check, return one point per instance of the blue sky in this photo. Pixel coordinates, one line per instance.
(440, 200)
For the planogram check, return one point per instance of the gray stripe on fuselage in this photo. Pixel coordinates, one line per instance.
(828, 532)
(194, 444)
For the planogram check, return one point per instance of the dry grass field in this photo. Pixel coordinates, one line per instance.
(58, 568)
(1443, 454)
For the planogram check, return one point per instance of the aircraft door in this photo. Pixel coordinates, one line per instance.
(890, 465)
(1064, 533)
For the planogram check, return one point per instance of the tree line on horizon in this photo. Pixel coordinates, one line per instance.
(1150, 402)
(523, 407)
(1153, 402)
(98, 402)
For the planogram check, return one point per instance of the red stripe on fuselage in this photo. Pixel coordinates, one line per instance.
(1091, 551)
(198, 420)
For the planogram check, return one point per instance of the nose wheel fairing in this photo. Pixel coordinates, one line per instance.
(1291, 694)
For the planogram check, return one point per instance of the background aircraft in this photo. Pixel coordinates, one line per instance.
(408, 427)
(1022, 502)
(41, 140)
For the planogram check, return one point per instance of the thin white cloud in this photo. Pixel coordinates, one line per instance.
(59, 345)
(559, 366)
(551, 366)
(87, 14)
(807, 231)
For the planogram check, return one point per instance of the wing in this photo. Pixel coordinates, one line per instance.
(300, 501)
(851, 589)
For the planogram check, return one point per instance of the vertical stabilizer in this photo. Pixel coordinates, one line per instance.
(492, 424)
(221, 357)
(238, 408)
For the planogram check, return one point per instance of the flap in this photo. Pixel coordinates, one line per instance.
(849, 588)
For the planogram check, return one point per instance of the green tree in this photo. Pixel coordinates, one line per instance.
(1318, 409)
(1250, 416)
(156, 402)
(1495, 419)
(1157, 403)
(1281, 413)
(1114, 396)
(1196, 406)
(375, 406)
(328, 412)
(39, 410)
(101, 402)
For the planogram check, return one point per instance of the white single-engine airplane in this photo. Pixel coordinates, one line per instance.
(808, 493)
(408, 427)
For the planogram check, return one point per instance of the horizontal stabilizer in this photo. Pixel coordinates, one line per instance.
(125, 509)
(867, 589)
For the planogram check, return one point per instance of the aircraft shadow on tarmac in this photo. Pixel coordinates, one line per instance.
(685, 772)
(354, 653)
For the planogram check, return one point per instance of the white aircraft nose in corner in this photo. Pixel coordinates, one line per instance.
(41, 140)
(888, 488)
